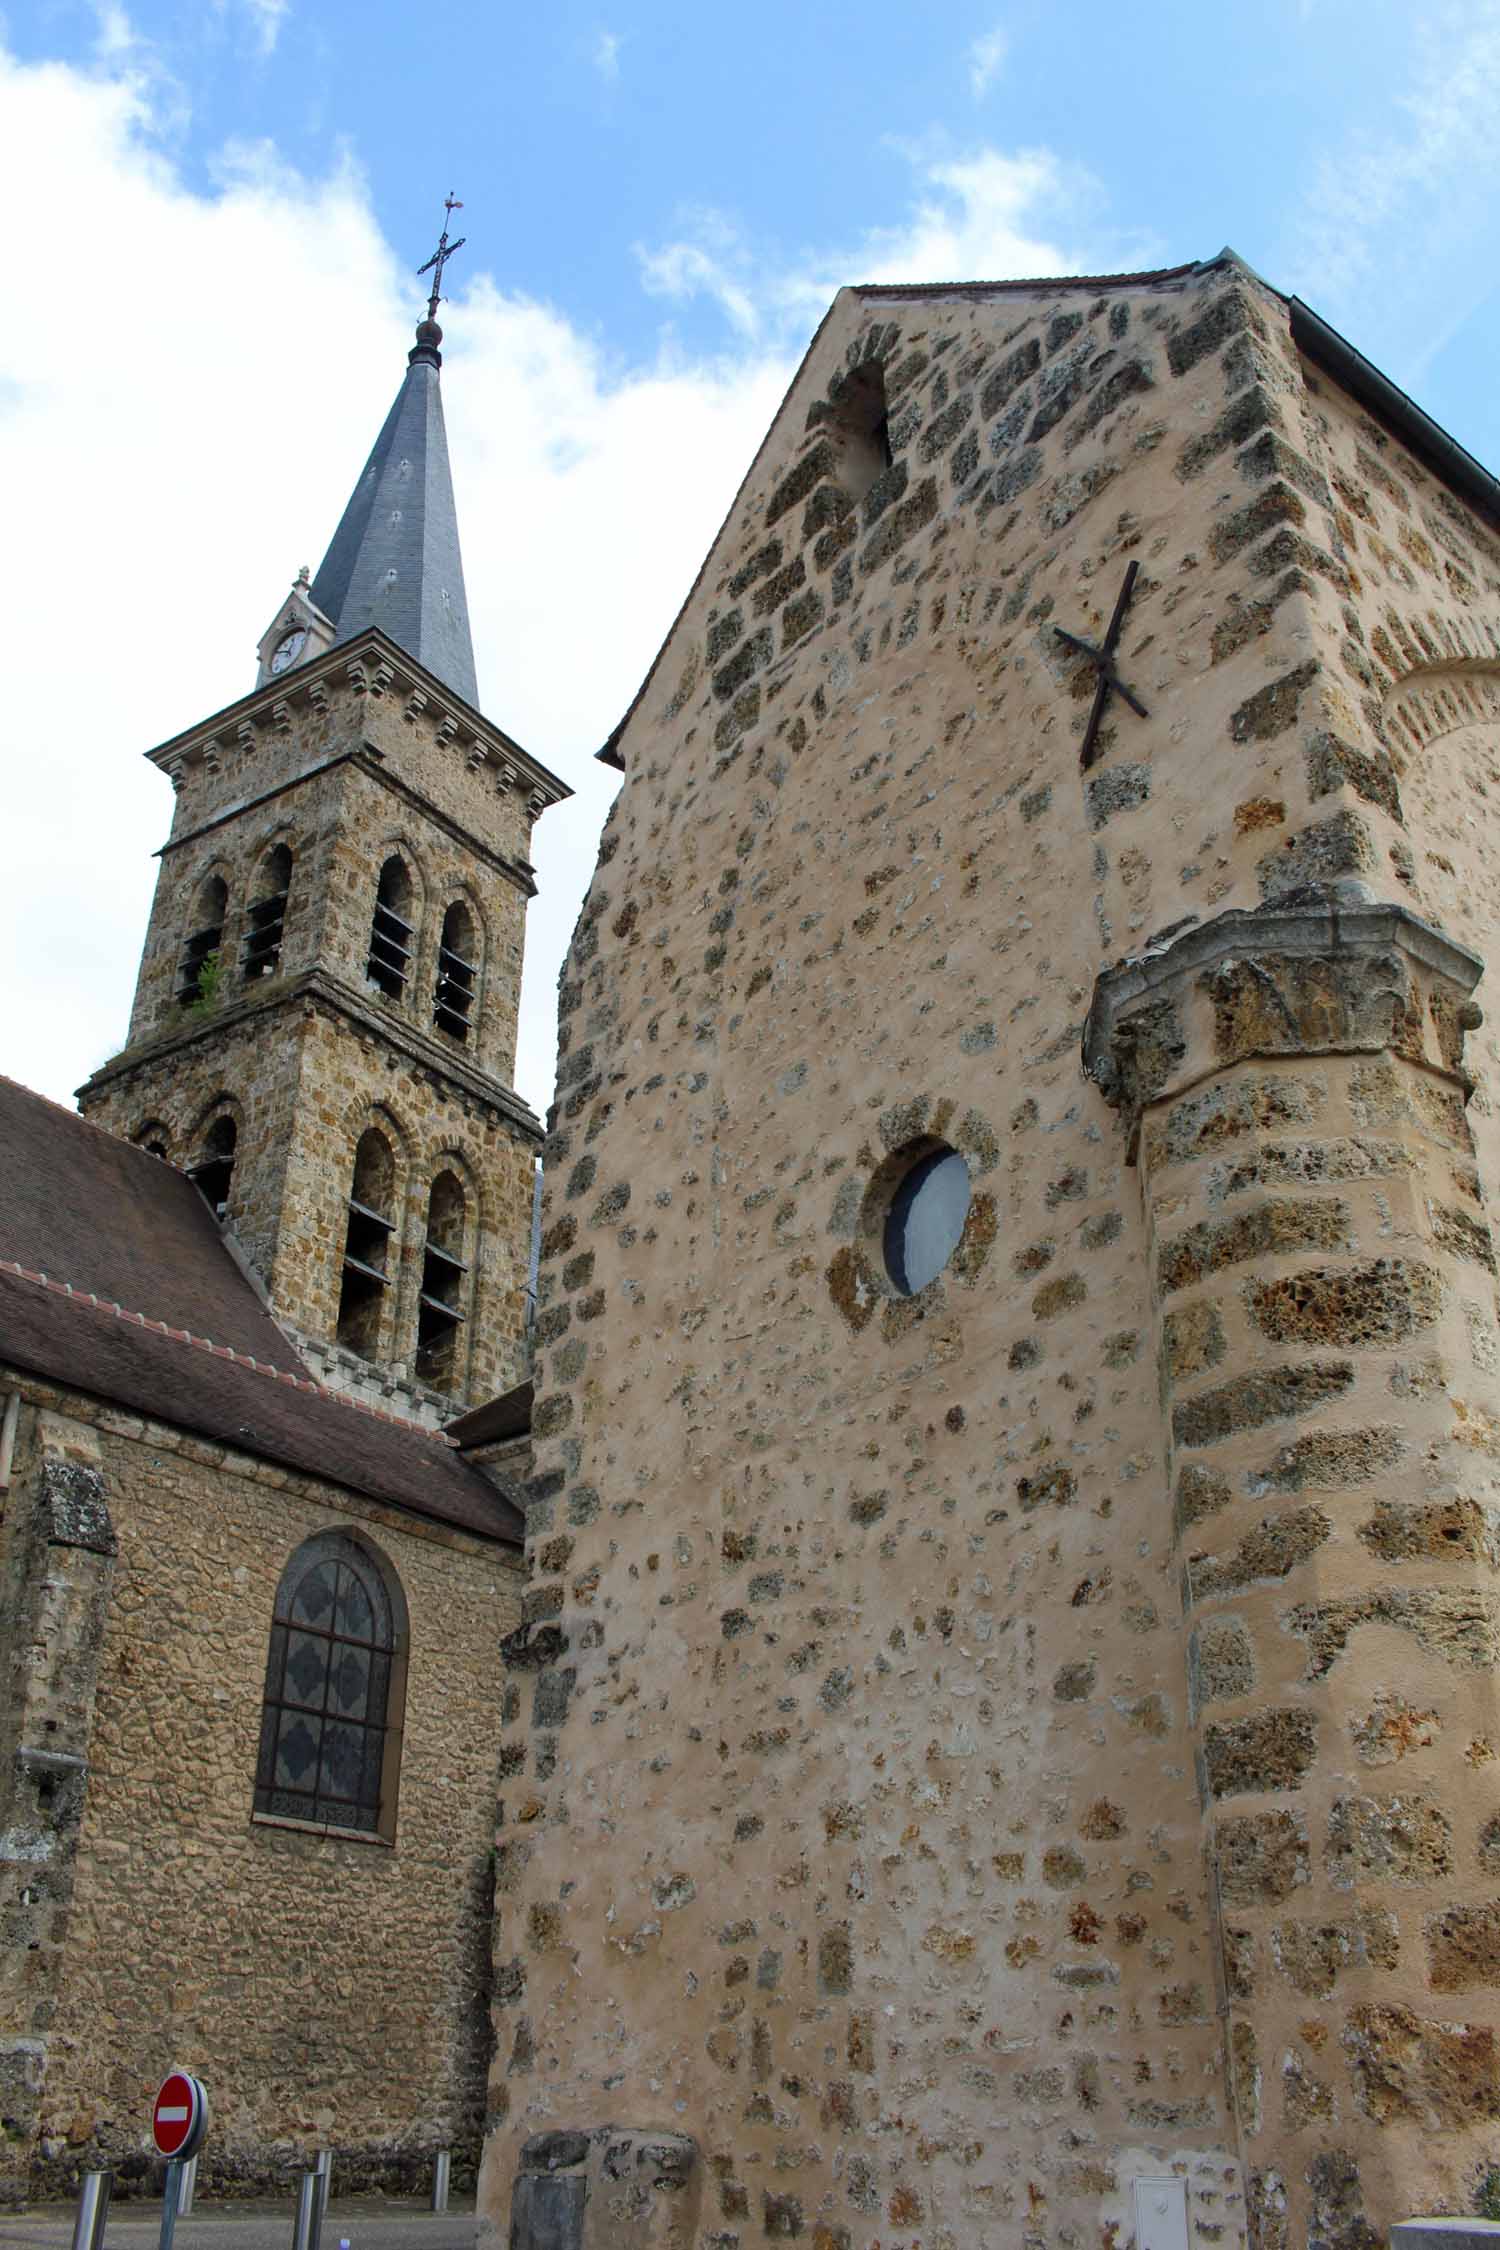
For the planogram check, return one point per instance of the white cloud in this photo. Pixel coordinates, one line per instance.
(260, 22)
(985, 215)
(986, 60)
(116, 36)
(266, 19)
(1401, 215)
(606, 55)
(170, 457)
(180, 428)
(713, 262)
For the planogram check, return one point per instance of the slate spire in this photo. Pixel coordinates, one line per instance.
(394, 560)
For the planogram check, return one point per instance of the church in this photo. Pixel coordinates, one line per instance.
(940, 1688)
(253, 1596)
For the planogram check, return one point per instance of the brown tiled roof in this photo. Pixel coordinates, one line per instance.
(507, 1416)
(114, 1280)
(86, 1208)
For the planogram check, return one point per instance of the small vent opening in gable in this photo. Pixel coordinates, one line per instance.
(859, 429)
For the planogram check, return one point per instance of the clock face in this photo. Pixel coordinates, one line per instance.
(288, 648)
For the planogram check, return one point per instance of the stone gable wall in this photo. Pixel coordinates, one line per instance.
(329, 1992)
(872, 1802)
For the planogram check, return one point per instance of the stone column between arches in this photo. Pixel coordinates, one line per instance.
(1324, 1294)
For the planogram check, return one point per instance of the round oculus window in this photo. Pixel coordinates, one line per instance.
(925, 1221)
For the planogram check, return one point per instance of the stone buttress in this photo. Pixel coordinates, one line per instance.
(1321, 1265)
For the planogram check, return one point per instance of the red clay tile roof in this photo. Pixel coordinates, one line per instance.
(142, 1304)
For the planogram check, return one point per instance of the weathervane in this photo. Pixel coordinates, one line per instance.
(1103, 661)
(441, 255)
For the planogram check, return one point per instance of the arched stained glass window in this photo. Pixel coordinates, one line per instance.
(329, 1709)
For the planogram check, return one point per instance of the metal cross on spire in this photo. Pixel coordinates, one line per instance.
(441, 255)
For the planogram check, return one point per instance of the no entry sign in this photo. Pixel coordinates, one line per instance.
(179, 2115)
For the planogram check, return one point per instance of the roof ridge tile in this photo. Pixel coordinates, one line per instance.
(227, 1351)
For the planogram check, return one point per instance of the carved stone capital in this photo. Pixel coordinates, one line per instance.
(1304, 976)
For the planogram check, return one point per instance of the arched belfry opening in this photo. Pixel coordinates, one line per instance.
(445, 1278)
(198, 971)
(265, 919)
(212, 1172)
(458, 972)
(369, 1244)
(392, 931)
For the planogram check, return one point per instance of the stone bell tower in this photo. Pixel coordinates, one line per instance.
(324, 1025)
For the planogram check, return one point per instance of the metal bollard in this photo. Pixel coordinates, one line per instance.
(93, 2210)
(187, 2182)
(440, 2179)
(305, 2232)
(323, 2171)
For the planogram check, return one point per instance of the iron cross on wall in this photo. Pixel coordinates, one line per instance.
(1103, 661)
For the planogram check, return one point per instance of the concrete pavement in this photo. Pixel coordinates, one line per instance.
(369, 2223)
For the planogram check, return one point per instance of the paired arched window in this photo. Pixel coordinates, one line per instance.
(445, 1276)
(213, 1170)
(331, 1721)
(391, 931)
(153, 1137)
(458, 972)
(266, 918)
(368, 1263)
(198, 972)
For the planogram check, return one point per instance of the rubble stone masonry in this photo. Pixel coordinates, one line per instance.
(980, 1748)
(351, 759)
(330, 1990)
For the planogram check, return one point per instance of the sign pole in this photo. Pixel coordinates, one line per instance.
(169, 2203)
(179, 2120)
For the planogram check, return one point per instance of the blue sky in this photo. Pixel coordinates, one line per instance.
(659, 202)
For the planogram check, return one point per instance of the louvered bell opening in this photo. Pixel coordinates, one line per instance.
(455, 993)
(267, 920)
(439, 1316)
(212, 1180)
(199, 947)
(389, 964)
(364, 1280)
